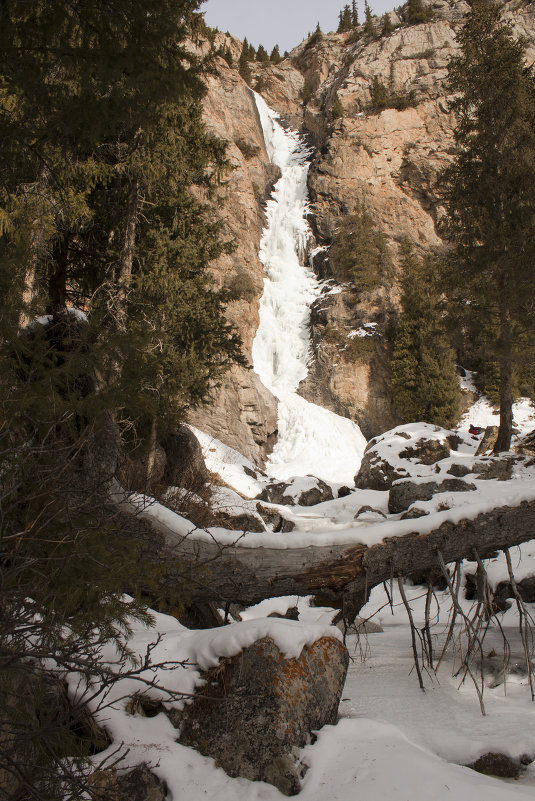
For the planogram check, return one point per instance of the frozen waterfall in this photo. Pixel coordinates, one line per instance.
(311, 439)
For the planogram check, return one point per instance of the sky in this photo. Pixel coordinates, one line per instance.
(282, 22)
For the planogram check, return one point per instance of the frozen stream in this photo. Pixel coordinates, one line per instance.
(311, 440)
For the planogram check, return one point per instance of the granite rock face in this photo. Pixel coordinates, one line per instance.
(244, 412)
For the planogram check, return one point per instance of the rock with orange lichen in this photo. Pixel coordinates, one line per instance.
(257, 708)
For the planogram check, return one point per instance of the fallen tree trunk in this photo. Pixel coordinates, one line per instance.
(203, 569)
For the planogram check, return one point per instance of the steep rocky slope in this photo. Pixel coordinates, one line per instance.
(388, 160)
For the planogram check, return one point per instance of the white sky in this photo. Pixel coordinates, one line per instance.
(282, 22)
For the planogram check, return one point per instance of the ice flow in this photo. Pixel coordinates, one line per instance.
(311, 439)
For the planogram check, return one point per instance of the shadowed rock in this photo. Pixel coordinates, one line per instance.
(258, 707)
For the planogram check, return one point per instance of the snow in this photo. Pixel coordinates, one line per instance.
(233, 468)
(392, 740)
(483, 413)
(311, 440)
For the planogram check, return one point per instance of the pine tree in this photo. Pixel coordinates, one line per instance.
(358, 251)
(103, 139)
(262, 54)
(369, 25)
(275, 56)
(418, 11)
(344, 20)
(243, 62)
(337, 109)
(387, 28)
(354, 14)
(423, 377)
(491, 195)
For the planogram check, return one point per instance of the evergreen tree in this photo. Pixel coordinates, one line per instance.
(491, 195)
(354, 14)
(252, 53)
(418, 11)
(344, 23)
(387, 28)
(275, 56)
(103, 138)
(243, 62)
(369, 25)
(337, 109)
(423, 377)
(262, 55)
(358, 251)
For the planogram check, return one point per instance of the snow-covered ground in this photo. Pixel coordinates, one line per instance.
(311, 439)
(392, 739)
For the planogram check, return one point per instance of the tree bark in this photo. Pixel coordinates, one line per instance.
(127, 256)
(204, 570)
(57, 284)
(505, 431)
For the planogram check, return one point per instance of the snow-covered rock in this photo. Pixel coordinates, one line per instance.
(256, 708)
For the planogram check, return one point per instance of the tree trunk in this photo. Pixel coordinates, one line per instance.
(127, 257)
(57, 284)
(505, 431)
(201, 569)
(36, 246)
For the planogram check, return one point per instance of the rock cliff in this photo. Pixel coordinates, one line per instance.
(387, 159)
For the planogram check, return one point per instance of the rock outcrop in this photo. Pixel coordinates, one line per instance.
(243, 412)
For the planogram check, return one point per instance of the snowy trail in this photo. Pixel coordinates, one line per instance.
(311, 439)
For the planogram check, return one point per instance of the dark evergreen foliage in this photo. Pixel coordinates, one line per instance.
(262, 54)
(417, 11)
(358, 252)
(345, 20)
(382, 97)
(243, 62)
(354, 14)
(423, 376)
(490, 192)
(102, 141)
(337, 109)
(387, 26)
(369, 25)
(275, 56)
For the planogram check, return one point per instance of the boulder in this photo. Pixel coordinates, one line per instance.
(494, 469)
(503, 591)
(459, 470)
(501, 765)
(244, 521)
(141, 471)
(258, 707)
(405, 452)
(369, 513)
(376, 473)
(275, 493)
(526, 445)
(317, 494)
(426, 451)
(291, 614)
(302, 491)
(488, 441)
(185, 465)
(414, 514)
(402, 495)
(273, 517)
(405, 493)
